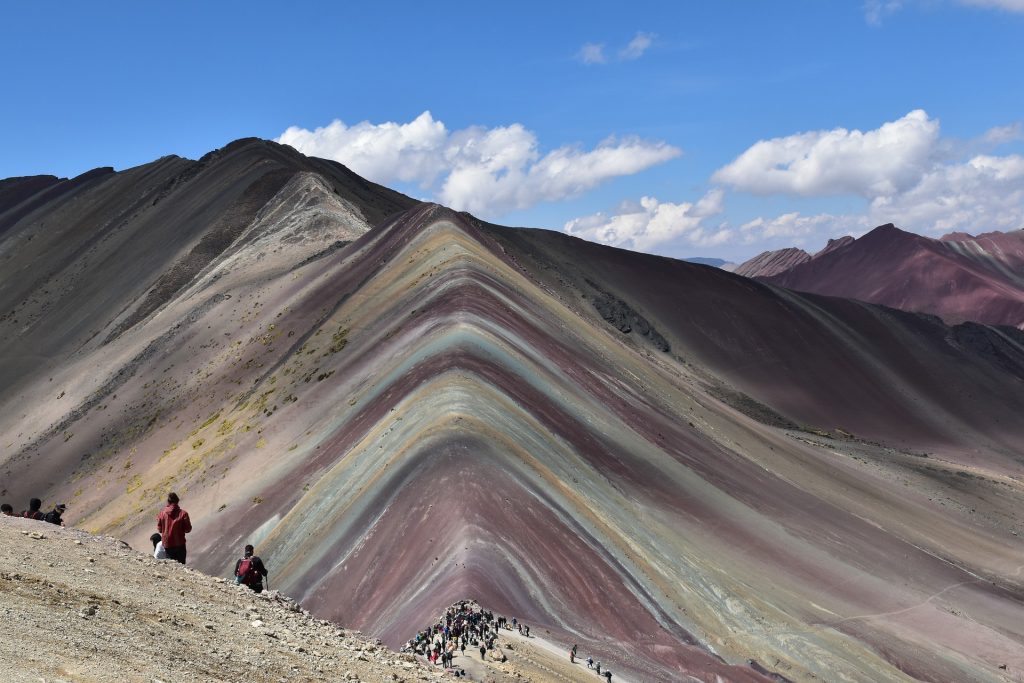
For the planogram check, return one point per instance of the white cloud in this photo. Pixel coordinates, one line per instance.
(800, 229)
(1000, 135)
(1008, 5)
(652, 222)
(482, 170)
(638, 46)
(592, 53)
(383, 152)
(888, 159)
(876, 10)
(985, 193)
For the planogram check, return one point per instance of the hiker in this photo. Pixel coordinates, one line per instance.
(572, 657)
(7, 510)
(33, 511)
(483, 651)
(590, 662)
(599, 668)
(574, 649)
(54, 515)
(158, 548)
(608, 676)
(249, 571)
(173, 524)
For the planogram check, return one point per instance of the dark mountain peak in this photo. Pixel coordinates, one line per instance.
(888, 235)
(252, 146)
(93, 174)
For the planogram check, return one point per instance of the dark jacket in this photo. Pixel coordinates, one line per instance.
(173, 524)
(53, 517)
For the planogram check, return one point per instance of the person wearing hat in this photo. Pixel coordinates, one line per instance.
(173, 523)
(54, 515)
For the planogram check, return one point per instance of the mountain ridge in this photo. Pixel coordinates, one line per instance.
(963, 279)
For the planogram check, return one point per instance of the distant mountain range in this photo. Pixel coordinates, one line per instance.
(958, 277)
(714, 262)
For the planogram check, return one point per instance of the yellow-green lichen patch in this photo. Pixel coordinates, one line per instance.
(338, 341)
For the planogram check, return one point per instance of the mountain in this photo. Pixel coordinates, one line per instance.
(685, 471)
(957, 278)
(713, 262)
(770, 263)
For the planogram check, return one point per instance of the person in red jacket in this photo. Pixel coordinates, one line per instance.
(173, 524)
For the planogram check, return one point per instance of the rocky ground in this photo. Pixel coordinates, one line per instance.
(78, 607)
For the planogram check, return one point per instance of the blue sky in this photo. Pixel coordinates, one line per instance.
(681, 128)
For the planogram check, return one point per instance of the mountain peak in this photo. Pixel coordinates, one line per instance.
(770, 263)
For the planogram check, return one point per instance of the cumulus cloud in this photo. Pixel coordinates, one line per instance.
(592, 53)
(653, 222)
(482, 170)
(888, 159)
(985, 193)
(638, 46)
(982, 194)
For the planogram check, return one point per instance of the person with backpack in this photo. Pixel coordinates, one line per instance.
(54, 515)
(173, 523)
(33, 511)
(249, 571)
(7, 510)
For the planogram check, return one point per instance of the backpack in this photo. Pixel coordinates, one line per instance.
(247, 573)
(53, 517)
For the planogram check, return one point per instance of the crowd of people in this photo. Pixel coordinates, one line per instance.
(466, 625)
(35, 511)
(462, 626)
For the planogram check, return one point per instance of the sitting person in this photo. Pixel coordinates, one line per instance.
(158, 547)
(33, 511)
(250, 571)
(7, 510)
(54, 515)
